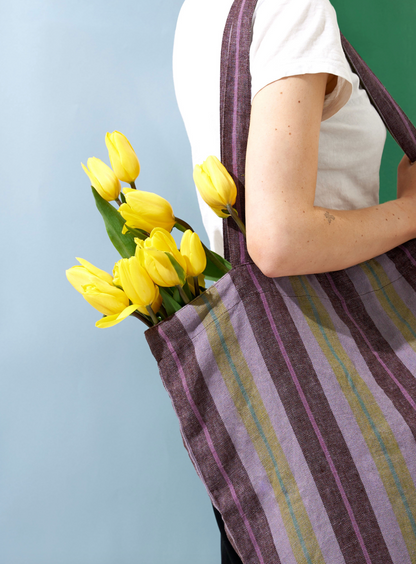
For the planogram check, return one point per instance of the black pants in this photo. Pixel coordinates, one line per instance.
(228, 554)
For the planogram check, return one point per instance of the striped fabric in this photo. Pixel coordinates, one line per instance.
(296, 396)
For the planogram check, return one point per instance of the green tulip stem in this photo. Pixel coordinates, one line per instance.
(118, 201)
(182, 293)
(152, 315)
(163, 312)
(196, 284)
(182, 225)
(133, 185)
(235, 217)
(142, 318)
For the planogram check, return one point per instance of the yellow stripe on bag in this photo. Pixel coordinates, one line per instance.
(375, 429)
(391, 302)
(248, 402)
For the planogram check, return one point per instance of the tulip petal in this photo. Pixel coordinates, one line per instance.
(122, 157)
(136, 283)
(146, 210)
(96, 271)
(105, 303)
(110, 320)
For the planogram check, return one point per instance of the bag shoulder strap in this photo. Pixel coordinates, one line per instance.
(394, 118)
(235, 106)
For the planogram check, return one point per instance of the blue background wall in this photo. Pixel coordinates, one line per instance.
(92, 466)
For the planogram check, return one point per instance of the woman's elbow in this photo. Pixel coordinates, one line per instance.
(271, 259)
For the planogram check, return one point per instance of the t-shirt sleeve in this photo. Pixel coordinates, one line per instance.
(292, 37)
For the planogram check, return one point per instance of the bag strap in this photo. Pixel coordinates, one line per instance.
(394, 118)
(235, 107)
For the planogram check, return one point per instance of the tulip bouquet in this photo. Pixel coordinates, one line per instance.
(154, 278)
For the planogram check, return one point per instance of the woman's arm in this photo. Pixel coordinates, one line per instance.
(286, 233)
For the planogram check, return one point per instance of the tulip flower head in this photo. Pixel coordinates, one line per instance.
(193, 253)
(161, 266)
(122, 157)
(97, 289)
(137, 284)
(102, 179)
(162, 240)
(86, 273)
(145, 210)
(215, 185)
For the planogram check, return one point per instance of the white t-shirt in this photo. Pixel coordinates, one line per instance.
(290, 37)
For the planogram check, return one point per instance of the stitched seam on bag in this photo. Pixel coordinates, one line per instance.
(348, 299)
(270, 291)
(284, 295)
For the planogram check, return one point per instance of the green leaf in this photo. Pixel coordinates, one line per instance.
(188, 292)
(114, 222)
(177, 296)
(122, 197)
(137, 233)
(179, 270)
(170, 304)
(216, 267)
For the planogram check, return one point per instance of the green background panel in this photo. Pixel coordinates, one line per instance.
(383, 32)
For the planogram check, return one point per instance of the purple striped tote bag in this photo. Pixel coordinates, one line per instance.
(296, 396)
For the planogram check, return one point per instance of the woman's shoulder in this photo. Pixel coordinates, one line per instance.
(296, 37)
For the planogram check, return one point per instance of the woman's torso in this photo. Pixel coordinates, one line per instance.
(289, 37)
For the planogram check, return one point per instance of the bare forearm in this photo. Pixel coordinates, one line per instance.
(326, 240)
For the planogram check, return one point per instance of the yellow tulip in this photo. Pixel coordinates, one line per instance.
(146, 210)
(103, 179)
(215, 185)
(162, 240)
(193, 253)
(116, 276)
(122, 157)
(105, 297)
(156, 304)
(98, 290)
(136, 282)
(87, 273)
(161, 266)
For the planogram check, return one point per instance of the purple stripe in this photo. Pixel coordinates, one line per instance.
(408, 253)
(311, 417)
(381, 320)
(393, 417)
(241, 439)
(402, 285)
(241, 239)
(236, 77)
(284, 432)
(211, 445)
(375, 353)
(373, 486)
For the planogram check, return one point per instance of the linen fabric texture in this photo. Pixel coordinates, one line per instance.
(289, 37)
(296, 396)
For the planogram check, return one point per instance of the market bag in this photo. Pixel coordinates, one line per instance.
(296, 396)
